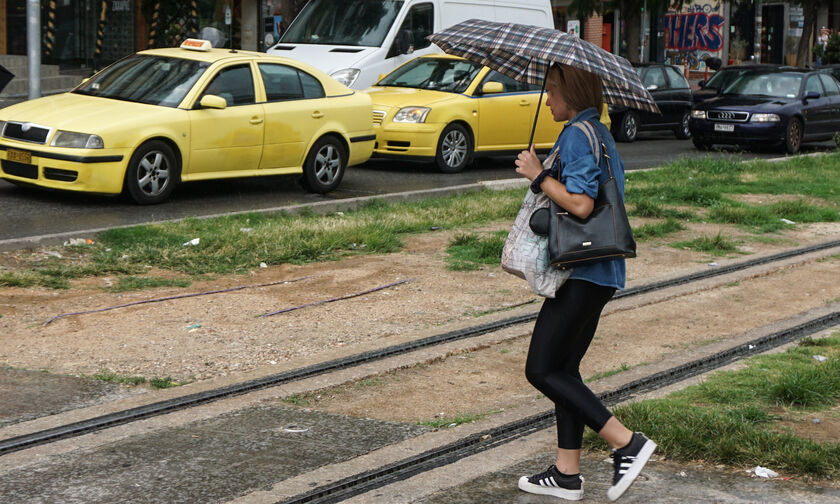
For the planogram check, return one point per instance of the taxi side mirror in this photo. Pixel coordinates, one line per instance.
(492, 88)
(213, 101)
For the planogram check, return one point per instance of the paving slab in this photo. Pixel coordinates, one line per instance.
(33, 394)
(211, 460)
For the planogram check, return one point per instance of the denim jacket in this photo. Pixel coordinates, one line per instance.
(580, 174)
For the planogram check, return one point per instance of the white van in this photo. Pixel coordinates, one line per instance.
(356, 41)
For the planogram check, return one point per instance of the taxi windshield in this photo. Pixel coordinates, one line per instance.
(343, 22)
(440, 74)
(155, 80)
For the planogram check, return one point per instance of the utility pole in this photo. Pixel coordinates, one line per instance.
(33, 47)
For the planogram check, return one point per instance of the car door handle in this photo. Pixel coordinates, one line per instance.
(317, 114)
(524, 103)
(256, 120)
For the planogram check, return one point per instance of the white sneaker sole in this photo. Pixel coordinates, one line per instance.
(630, 476)
(563, 493)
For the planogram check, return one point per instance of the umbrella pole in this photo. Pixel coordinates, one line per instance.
(537, 115)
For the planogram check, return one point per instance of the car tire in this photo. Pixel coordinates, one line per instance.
(454, 149)
(325, 165)
(701, 145)
(627, 128)
(152, 173)
(682, 131)
(793, 136)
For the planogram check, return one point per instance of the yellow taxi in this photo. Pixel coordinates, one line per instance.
(165, 116)
(447, 109)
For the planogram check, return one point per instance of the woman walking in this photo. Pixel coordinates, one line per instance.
(566, 324)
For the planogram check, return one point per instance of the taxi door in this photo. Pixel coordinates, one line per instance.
(230, 139)
(295, 109)
(504, 118)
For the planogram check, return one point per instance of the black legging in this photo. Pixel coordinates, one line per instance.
(562, 334)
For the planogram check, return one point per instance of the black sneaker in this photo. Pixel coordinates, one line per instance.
(553, 482)
(628, 463)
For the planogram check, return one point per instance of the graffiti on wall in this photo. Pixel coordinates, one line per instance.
(695, 33)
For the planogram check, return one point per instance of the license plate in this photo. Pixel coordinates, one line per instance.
(725, 127)
(19, 156)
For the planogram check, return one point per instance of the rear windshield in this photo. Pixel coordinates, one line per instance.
(155, 80)
(776, 85)
(441, 74)
(343, 22)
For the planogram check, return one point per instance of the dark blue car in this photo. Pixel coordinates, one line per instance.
(786, 108)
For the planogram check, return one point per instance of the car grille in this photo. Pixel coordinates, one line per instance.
(20, 169)
(26, 132)
(378, 116)
(726, 115)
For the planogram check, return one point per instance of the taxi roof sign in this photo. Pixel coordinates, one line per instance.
(196, 45)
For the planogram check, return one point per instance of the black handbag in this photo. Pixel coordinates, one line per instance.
(604, 235)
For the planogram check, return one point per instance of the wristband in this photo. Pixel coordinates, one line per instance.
(535, 184)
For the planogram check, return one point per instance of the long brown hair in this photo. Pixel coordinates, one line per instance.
(580, 89)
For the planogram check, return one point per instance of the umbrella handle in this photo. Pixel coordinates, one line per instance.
(537, 115)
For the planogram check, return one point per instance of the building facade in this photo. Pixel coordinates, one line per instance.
(93, 33)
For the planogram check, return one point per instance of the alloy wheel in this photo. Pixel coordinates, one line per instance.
(327, 164)
(454, 148)
(153, 173)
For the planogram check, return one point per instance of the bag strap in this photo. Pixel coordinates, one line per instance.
(592, 134)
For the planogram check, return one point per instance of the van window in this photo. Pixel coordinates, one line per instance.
(287, 83)
(234, 84)
(418, 24)
(343, 22)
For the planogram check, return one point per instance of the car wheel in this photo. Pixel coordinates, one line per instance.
(152, 173)
(325, 165)
(627, 127)
(703, 146)
(682, 131)
(793, 136)
(454, 149)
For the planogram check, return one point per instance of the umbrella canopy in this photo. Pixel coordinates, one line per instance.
(525, 53)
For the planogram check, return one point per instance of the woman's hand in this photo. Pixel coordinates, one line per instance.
(528, 164)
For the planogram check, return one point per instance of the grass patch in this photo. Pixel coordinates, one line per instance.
(162, 383)
(696, 186)
(110, 377)
(468, 252)
(657, 229)
(136, 283)
(455, 421)
(605, 374)
(717, 245)
(731, 417)
(297, 400)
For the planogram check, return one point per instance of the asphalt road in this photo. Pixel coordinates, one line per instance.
(31, 212)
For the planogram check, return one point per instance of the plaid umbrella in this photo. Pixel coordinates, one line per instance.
(525, 53)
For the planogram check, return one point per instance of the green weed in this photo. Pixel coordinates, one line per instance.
(472, 251)
(717, 245)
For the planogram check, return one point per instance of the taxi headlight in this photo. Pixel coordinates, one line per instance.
(411, 115)
(698, 114)
(346, 76)
(77, 140)
(765, 118)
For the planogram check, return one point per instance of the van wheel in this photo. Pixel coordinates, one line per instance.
(454, 149)
(627, 127)
(152, 173)
(325, 165)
